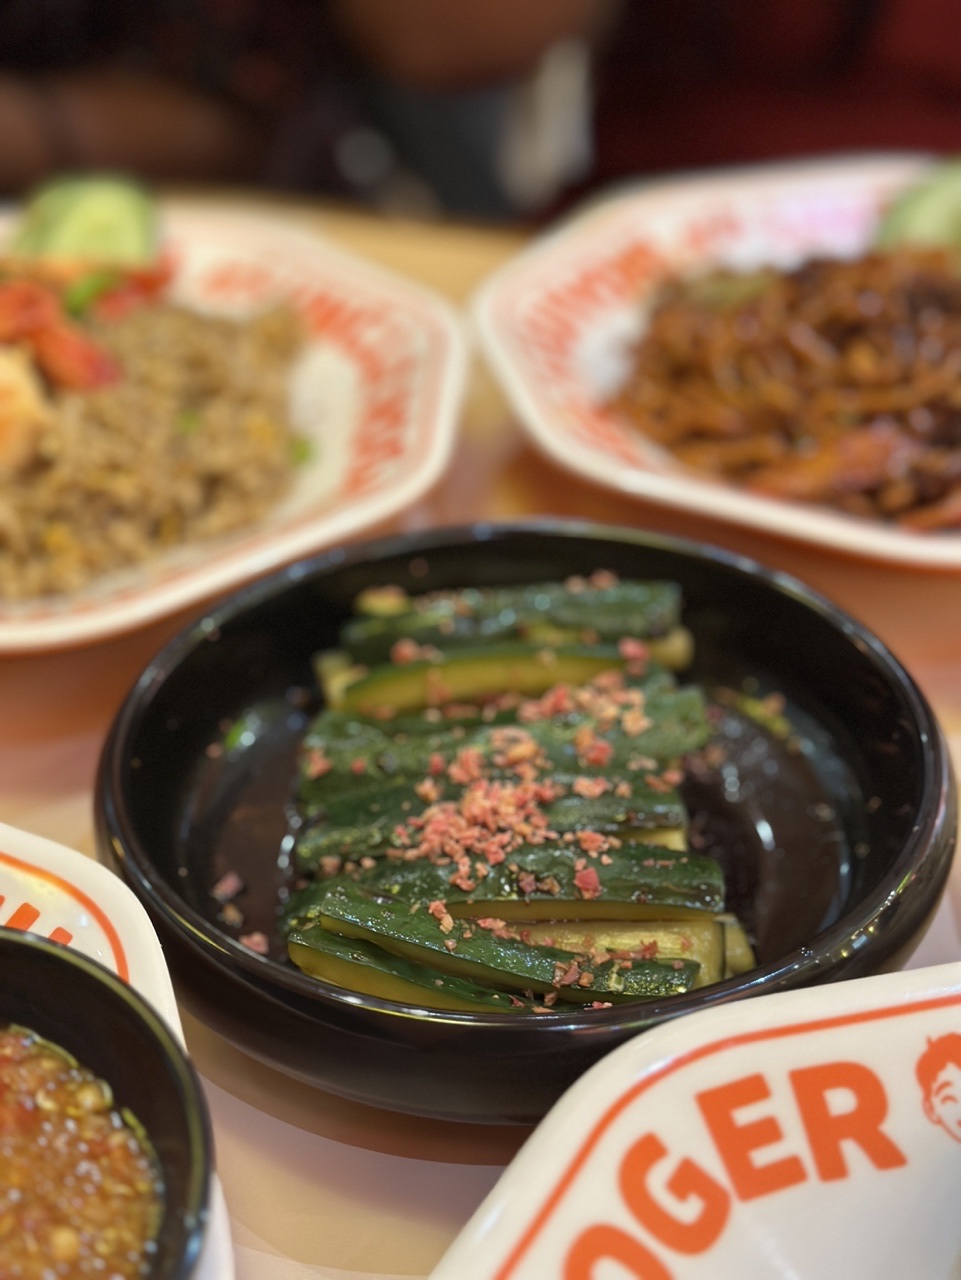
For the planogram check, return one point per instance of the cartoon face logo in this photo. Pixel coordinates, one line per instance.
(939, 1075)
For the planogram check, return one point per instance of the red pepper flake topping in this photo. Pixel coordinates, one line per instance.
(590, 788)
(467, 766)
(406, 650)
(227, 887)
(634, 722)
(591, 750)
(497, 928)
(622, 790)
(632, 650)
(256, 942)
(657, 782)
(358, 765)
(593, 842)
(438, 909)
(316, 764)
(566, 975)
(526, 882)
(427, 790)
(588, 882)
(436, 765)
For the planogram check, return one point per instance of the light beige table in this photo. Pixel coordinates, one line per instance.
(318, 1187)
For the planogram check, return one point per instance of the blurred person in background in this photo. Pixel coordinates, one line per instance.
(485, 109)
(477, 108)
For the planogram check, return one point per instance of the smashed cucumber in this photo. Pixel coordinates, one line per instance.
(488, 615)
(568, 874)
(478, 955)
(361, 966)
(471, 675)
(352, 756)
(702, 939)
(547, 882)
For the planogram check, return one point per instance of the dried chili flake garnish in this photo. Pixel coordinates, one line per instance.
(588, 882)
(427, 790)
(405, 651)
(526, 882)
(227, 887)
(358, 765)
(316, 764)
(467, 766)
(590, 788)
(593, 842)
(634, 722)
(632, 650)
(566, 975)
(496, 927)
(438, 909)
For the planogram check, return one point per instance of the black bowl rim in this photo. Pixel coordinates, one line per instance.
(271, 979)
(196, 1206)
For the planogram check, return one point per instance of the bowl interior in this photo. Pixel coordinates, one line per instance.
(80, 1006)
(821, 835)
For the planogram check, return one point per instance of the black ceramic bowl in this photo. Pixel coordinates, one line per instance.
(77, 1004)
(836, 856)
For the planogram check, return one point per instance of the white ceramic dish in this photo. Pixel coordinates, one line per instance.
(377, 393)
(556, 323)
(56, 892)
(814, 1134)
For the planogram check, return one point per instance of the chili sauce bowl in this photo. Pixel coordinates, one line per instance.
(835, 856)
(82, 1008)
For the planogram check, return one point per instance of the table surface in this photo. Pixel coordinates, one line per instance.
(316, 1186)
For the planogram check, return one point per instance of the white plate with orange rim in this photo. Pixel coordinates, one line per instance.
(812, 1134)
(377, 395)
(60, 894)
(558, 320)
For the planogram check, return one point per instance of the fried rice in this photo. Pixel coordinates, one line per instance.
(193, 441)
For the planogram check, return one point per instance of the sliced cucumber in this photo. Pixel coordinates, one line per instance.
(469, 951)
(926, 214)
(107, 220)
(473, 675)
(362, 966)
(700, 939)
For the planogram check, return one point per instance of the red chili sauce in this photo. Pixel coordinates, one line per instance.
(80, 1191)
